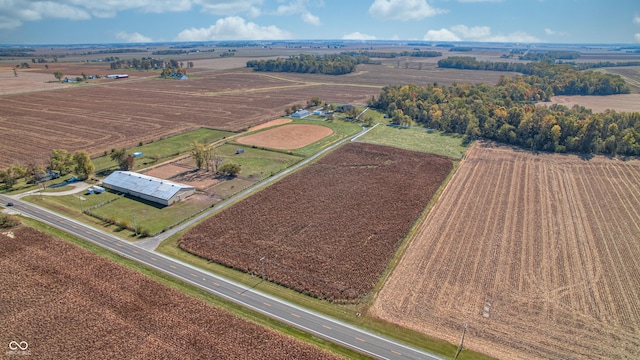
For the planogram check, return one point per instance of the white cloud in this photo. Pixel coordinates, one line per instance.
(217, 7)
(472, 33)
(233, 28)
(299, 7)
(441, 35)
(636, 19)
(9, 22)
(637, 37)
(133, 37)
(311, 19)
(16, 12)
(552, 32)
(477, 1)
(477, 33)
(403, 9)
(358, 36)
(518, 37)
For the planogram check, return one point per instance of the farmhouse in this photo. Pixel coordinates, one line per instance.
(146, 187)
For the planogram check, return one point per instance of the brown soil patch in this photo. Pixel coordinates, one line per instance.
(539, 254)
(26, 81)
(599, 104)
(121, 113)
(287, 137)
(330, 229)
(184, 175)
(269, 124)
(68, 303)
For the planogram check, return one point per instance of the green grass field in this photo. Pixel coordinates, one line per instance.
(164, 149)
(147, 216)
(257, 164)
(417, 140)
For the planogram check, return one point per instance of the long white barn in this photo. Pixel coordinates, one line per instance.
(146, 187)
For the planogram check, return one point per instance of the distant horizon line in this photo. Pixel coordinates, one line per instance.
(321, 41)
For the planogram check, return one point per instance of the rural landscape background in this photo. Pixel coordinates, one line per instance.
(412, 189)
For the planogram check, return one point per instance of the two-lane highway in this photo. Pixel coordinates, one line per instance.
(322, 326)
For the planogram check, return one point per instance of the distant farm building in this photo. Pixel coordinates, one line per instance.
(345, 108)
(300, 114)
(146, 187)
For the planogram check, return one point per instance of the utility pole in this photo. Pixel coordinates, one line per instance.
(262, 263)
(464, 330)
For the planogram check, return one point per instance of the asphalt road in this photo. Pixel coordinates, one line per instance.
(312, 322)
(322, 326)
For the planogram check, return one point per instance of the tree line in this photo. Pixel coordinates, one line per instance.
(555, 79)
(395, 54)
(332, 64)
(147, 64)
(61, 161)
(505, 113)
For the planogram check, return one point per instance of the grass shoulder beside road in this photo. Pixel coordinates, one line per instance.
(197, 293)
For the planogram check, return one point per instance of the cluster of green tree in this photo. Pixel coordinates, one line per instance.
(169, 72)
(333, 64)
(41, 60)
(313, 102)
(601, 64)
(16, 52)
(555, 79)
(550, 56)
(504, 113)
(115, 51)
(392, 55)
(24, 65)
(61, 161)
(138, 64)
(461, 49)
(208, 159)
(170, 52)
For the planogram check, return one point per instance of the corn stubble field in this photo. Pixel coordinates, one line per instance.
(68, 303)
(537, 253)
(328, 230)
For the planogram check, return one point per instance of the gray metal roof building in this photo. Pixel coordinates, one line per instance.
(146, 187)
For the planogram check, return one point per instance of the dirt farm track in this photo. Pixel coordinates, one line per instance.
(538, 253)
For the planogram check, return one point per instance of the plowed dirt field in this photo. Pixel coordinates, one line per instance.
(121, 113)
(328, 230)
(67, 303)
(538, 254)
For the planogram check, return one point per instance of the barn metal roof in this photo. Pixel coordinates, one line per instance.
(144, 184)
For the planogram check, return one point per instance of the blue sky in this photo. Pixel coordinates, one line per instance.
(121, 21)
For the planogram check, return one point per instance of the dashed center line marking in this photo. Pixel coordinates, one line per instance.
(120, 245)
(216, 284)
(395, 352)
(171, 266)
(154, 259)
(136, 251)
(103, 238)
(357, 338)
(194, 275)
(296, 315)
(326, 327)
(266, 304)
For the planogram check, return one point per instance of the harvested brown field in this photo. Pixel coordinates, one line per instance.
(599, 104)
(328, 230)
(537, 253)
(269, 124)
(123, 112)
(287, 137)
(66, 302)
